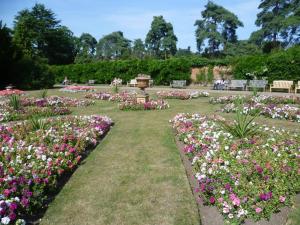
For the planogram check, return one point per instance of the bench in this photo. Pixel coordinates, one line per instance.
(132, 83)
(178, 84)
(297, 87)
(233, 84)
(282, 84)
(257, 84)
(91, 82)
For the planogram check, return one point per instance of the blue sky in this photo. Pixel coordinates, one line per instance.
(133, 17)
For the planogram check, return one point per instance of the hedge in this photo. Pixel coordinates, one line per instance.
(280, 65)
(162, 71)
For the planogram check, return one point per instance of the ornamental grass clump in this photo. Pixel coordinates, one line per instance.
(244, 125)
(37, 124)
(15, 102)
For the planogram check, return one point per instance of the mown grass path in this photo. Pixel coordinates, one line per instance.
(135, 175)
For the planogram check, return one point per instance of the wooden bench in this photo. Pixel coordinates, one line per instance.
(297, 87)
(234, 84)
(178, 84)
(282, 84)
(132, 83)
(258, 84)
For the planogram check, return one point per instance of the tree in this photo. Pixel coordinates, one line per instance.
(184, 52)
(86, 48)
(217, 28)
(113, 46)
(37, 29)
(240, 48)
(138, 49)
(161, 40)
(279, 21)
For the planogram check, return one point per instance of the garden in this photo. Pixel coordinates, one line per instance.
(40, 151)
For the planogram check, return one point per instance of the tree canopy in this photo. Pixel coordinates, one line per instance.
(86, 46)
(38, 33)
(217, 28)
(161, 40)
(113, 46)
(279, 22)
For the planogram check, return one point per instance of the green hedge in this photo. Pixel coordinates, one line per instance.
(162, 71)
(281, 65)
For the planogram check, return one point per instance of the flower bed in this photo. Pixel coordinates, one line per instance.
(32, 160)
(244, 178)
(56, 101)
(273, 111)
(9, 92)
(151, 105)
(266, 99)
(117, 97)
(183, 95)
(75, 89)
(270, 106)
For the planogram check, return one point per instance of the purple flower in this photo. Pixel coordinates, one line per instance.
(13, 206)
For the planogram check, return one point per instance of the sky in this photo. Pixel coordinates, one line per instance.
(133, 17)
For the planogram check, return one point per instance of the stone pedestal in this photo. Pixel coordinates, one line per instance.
(142, 98)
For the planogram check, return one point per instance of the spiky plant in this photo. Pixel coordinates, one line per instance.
(15, 102)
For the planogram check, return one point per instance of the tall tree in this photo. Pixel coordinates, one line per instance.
(86, 48)
(161, 40)
(217, 28)
(279, 21)
(37, 29)
(138, 49)
(113, 46)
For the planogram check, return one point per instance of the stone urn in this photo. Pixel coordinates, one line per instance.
(142, 83)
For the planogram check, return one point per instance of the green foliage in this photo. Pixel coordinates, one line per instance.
(37, 124)
(161, 40)
(138, 49)
(38, 33)
(210, 74)
(218, 27)
(44, 93)
(279, 21)
(243, 125)
(113, 46)
(15, 102)
(162, 71)
(280, 65)
(201, 77)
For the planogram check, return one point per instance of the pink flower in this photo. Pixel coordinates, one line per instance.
(258, 210)
(282, 199)
(220, 200)
(212, 200)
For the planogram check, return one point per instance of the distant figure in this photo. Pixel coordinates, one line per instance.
(219, 84)
(65, 82)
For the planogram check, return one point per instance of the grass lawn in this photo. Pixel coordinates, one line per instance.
(135, 176)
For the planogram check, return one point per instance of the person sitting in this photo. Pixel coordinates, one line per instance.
(217, 84)
(65, 82)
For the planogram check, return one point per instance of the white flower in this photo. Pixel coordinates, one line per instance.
(44, 157)
(5, 220)
(230, 215)
(226, 147)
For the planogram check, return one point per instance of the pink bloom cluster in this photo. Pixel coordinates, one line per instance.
(33, 160)
(9, 92)
(151, 105)
(243, 178)
(183, 95)
(77, 89)
(56, 101)
(117, 97)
